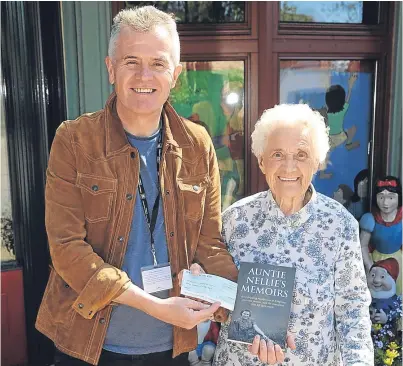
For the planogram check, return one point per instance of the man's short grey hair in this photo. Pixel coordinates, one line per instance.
(291, 115)
(144, 19)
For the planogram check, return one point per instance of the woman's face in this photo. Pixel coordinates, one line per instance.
(387, 201)
(289, 162)
(245, 314)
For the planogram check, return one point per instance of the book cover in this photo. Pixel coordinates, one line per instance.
(263, 303)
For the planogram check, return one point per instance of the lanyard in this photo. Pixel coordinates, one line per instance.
(151, 222)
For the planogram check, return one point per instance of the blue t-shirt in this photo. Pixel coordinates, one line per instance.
(131, 331)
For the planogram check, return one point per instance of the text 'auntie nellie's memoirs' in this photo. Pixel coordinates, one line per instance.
(263, 303)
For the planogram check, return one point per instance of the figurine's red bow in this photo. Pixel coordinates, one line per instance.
(386, 183)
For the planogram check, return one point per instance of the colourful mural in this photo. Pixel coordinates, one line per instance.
(210, 93)
(342, 92)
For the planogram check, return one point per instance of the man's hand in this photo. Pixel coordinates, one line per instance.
(195, 269)
(267, 351)
(179, 311)
(183, 312)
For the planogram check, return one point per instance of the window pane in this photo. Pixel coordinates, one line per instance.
(199, 11)
(211, 93)
(356, 12)
(342, 91)
(7, 235)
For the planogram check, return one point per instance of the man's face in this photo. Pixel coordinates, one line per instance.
(143, 71)
(387, 201)
(288, 162)
(380, 283)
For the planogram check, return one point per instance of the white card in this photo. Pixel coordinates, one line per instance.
(157, 278)
(209, 288)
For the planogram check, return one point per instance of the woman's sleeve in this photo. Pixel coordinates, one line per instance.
(228, 226)
(352, 299)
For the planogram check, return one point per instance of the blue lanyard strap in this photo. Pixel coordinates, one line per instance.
(151, 222)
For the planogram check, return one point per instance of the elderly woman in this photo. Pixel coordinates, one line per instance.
(293, 225)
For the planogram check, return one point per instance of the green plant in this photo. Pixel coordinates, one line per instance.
(387, 340)
(7, 234)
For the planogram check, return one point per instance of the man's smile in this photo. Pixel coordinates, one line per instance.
(144, 90)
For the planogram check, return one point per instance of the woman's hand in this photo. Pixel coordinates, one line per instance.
(267, 351)
(195, 269)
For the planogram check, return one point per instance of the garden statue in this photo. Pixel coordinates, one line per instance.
(382, 285)
(381, 230)
(207, 333)
(386, 312)
(358, 204)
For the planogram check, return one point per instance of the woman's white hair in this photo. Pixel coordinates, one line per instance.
(291, 115)
(144, 19)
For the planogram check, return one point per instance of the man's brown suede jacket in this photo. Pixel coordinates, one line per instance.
(91, 188)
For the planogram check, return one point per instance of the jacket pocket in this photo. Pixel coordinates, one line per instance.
(97, 193)
(58, 300)
(192, 191)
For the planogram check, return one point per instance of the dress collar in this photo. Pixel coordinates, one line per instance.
(296, 219)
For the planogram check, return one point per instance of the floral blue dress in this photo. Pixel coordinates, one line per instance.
(330, 309)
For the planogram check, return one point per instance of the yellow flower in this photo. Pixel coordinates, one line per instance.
(391, 354)
(393, 345)
(388, 361)
(376, 327)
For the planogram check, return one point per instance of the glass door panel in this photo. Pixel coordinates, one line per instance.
(342, 91)
(211, 93)
(192, 12)
(342, 12)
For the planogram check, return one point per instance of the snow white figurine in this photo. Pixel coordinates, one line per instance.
(381, 230)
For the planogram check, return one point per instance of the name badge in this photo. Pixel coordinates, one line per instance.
(157, 278)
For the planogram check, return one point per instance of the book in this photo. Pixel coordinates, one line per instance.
(263, 303)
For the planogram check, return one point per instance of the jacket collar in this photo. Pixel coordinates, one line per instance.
(175, 132)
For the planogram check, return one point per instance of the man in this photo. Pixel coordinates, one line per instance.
(132, 199)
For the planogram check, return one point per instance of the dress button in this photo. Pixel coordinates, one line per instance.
(95, 188)
(195, 188)
(167, 193)
(132, 154)
(66, 285)
(171, 234)
(80, 306)
(120, 238)
(129, 196)
(102, 320)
